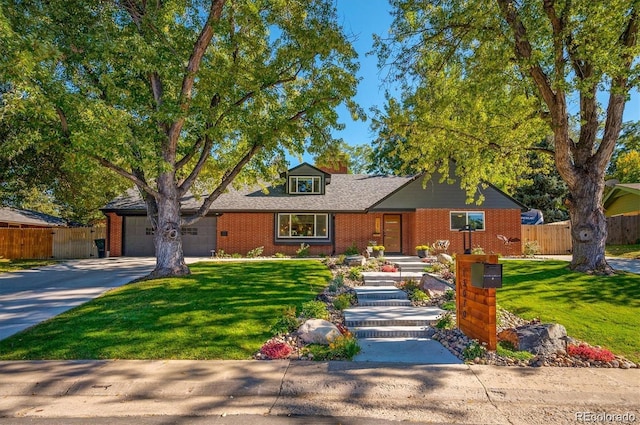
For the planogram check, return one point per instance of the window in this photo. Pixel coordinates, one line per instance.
(191, 231)
(475, 219)
(303, 226)
(149, 231)
(304, 185)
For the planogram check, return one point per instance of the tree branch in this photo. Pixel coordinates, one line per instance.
(124, 173)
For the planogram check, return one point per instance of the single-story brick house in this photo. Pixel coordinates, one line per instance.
(328, 211)
(27, 219)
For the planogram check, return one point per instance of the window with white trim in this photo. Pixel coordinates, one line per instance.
(460, 219)
(305, 185)
(299, 226)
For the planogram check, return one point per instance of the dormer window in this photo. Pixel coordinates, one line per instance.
(305, 185)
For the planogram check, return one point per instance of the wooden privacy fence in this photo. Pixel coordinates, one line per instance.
(554, 239)
(58, 243)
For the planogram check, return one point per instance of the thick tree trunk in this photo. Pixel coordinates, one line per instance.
(168, 237)
(588, 225)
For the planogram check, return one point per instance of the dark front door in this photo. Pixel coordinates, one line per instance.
(392, 231)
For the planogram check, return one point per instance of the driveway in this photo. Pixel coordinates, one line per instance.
(31, 296)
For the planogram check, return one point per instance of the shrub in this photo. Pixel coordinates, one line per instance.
(276, 350)
(221, 254)
(409, 285)
(355, 273)
(590, 353)
(255, 252)
(449, 306)
(445, 321)
(344, 347)
(303, 251)
(236, 255)
(531, 248)
(336, 283)
(450, 294)
(352, 250)
(280, 255)
(343, 301)
(419, 295)
(477, 250)
(287, 323)
(314, 310)
(473, 350)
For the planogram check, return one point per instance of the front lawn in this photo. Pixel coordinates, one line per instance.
(600, 310)
(222, 311)
(7, 265)
(623, 251)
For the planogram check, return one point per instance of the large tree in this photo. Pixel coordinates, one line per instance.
(180, 96)
(486, 79)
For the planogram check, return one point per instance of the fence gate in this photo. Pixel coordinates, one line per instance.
(77, 242)
(23, 244)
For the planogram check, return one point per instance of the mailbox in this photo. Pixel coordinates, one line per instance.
(485, 275)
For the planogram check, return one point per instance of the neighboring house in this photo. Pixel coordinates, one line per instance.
(623, 199)
(17, 219)
(329, 212)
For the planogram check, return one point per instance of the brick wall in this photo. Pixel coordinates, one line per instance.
(114, 234)
(431, 225)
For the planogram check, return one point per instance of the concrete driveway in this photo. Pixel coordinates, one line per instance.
(31, 296)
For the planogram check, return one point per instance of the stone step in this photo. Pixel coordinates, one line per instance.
(395, 276)
(380, 293)
(380, 282)
(391, 316)
(367, 302)
(393, 332)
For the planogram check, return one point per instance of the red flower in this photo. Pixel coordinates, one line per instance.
(276, 350)
(590, 353)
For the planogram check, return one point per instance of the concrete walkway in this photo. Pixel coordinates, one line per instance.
(458, 394)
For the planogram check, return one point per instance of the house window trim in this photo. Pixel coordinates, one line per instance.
(466, 213)
(305, 238)
(316, 182)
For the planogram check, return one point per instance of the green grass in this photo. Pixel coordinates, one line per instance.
(7, 265)
(222, 311)
(601, 310)
(623, 251)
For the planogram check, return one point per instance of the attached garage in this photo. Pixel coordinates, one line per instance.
(197, 240)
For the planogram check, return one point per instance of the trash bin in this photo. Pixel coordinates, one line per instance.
(101, 245)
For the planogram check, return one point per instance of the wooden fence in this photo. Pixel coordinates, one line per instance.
(58, 243)
(554, 239)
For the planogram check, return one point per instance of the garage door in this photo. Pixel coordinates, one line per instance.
(197, 240)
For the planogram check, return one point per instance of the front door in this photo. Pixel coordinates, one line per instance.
(392, 232)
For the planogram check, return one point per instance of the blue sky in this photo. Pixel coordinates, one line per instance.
(362, 19)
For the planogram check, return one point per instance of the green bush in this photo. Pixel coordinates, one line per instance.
(314, 310)
(255, 252)
(343, 301)
(531, 248)
(409, 285)
(352, 250)
(355, 273)
(506, 349)
(280, 255)
(449, 306)
(336, 283)
(303, 251)
(344, 347)
(473, 350)
(445, 322)
(419, 295)
(450, 294)
(287, 323)
(236, 255)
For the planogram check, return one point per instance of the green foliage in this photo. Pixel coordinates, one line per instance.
(303, 251)
(236, 255)
(531, 248)
(419, 295)
(473, 350)
(445, 321)
(506, 349)
(450, 294)
(280, 255)
(449, 306)
(343, 301)
(336, 283)
(7, 265)
(288, 322)
(255, 252)
(314, 310)
(477, 250)
(409, 285)
(355, 273)
(628, 167)
(352, 249)
(344, 347)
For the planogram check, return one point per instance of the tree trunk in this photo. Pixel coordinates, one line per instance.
(588, 225)
(168, 235)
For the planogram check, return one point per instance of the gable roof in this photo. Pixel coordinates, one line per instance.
(28, 217)
(623, 198)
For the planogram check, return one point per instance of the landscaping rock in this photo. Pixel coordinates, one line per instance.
(537, 338)
(355, 260)
(445, 258)
(318, 331)
(433, 286)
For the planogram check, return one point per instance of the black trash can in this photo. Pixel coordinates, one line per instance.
(101, 245)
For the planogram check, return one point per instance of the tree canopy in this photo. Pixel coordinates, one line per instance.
(484, 81)
(180, 96)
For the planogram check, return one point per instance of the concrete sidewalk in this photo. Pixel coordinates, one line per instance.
(429, 394)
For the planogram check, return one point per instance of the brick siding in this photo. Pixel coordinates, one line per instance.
(114, 234)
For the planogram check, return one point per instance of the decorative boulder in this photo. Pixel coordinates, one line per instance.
(318, 331)
(445, 258)
(433, 286)
(537, 338)
(355, 260)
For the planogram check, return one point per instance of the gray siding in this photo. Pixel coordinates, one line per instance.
(441, 195)
(138, 244)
